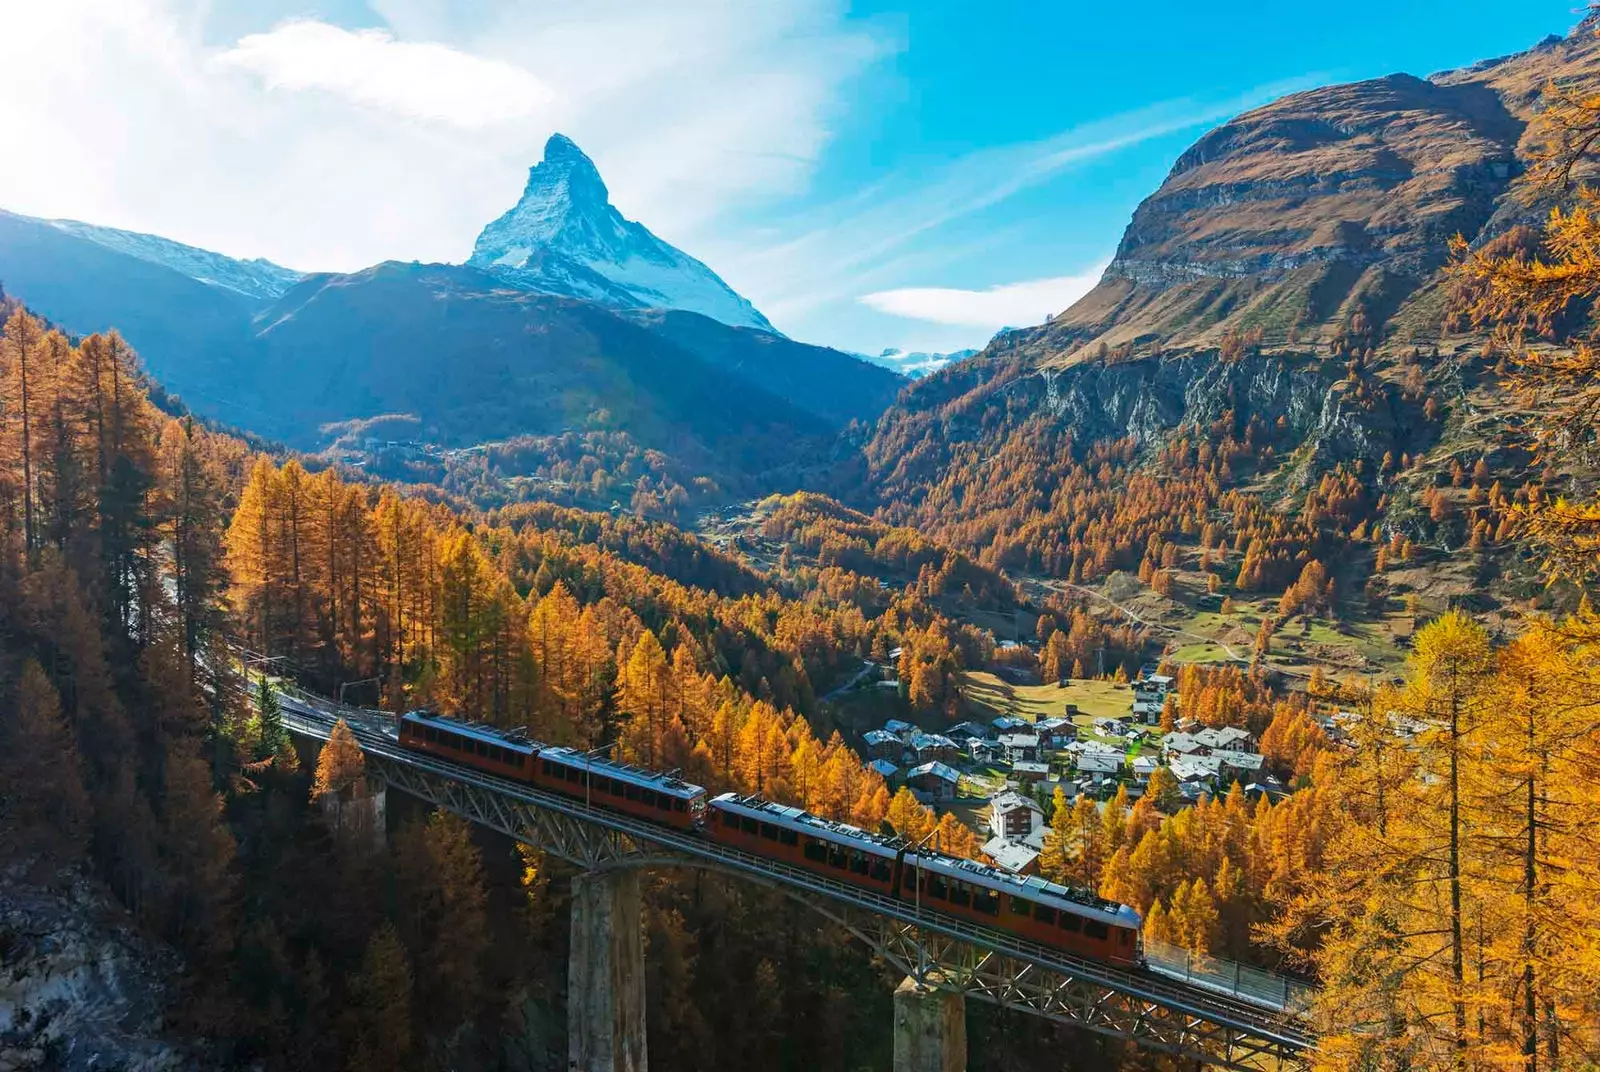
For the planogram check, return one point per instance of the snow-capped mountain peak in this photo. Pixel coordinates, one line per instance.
(565, 237)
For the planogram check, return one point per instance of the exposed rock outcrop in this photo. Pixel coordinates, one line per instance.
(80, 988)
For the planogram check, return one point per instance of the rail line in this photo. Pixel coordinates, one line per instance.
(1266, 1007)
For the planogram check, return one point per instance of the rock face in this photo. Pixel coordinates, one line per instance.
(79, 988)
(1292, 219)
(565, 237)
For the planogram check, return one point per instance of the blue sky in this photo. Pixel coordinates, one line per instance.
(871, 174)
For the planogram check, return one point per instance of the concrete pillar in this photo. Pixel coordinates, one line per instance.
(930, 1028)
(605, 975)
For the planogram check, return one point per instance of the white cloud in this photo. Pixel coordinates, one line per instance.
(324, 147)
(1008, 305)
(421, 80)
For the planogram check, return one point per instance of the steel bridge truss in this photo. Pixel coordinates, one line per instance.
(1250, 1041)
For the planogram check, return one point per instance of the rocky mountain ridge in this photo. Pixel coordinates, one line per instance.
(565, 237)
(1324, 215)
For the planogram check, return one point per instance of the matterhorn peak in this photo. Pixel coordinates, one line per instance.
(565, 237)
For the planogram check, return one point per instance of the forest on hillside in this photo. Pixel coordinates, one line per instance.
(1431, 867)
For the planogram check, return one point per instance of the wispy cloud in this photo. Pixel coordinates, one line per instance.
(415, 79)
(897, 229)
(1008, 305)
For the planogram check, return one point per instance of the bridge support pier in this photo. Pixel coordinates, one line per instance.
(930, 1028)
(605, 975)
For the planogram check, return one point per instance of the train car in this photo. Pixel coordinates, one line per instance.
(507, 753)
(1032, 908)
(660, 798)
(795, 836)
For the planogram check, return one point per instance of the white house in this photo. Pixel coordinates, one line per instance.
(1014, 815)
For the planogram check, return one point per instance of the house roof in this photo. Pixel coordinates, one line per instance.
(877, 737)
(1249, 761)
(1010, 800)
(1145, 764)
(1181, 743)
(1019, 739)
(1194, 768)
(896, 726)
(1013, 856)
(932, 740)
(1008, 722)
(1099, 762)
(1221, 736)
(1052, 723)
(1028, 766)
(968, 729)
(884, 767)
(942, 771)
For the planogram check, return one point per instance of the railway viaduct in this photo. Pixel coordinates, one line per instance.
(1219, 1014)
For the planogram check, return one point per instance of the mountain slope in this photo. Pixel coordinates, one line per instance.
(1324, 214)
(837, 386)
(564, 237)
(257, 279)
(478, 362)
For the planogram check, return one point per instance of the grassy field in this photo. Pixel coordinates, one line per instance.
(992, 697)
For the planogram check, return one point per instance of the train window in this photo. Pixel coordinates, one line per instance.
(729, 819)
(908, 878)
(633, 791)
(986, 901)
(663, 802)
(816, 850)
(880, 869)
(1020, 906)
(430, 735)
(1124, 937)
(769, 831)
(522, 760)
(1044, 913)
(960, 894)
(1095, 929)
(483, 748)
(679, 805)
(747, 824)
(647, 797)
(938, 887)
(838, 857)
(544, 765)
(494, 753)
(788, 837)
(619, 789)
(1071, 923)
(858, 862)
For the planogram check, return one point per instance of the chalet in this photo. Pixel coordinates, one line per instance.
(966, 731)
(1013, 856)
(881, 744)
(1026, 772)
(1181, 744)
(888, 770)
(902, 730)
(1147, 711)
(1144, 767)
(1240, 763)
(1195, 770)
(928, 747)
(1101, 763)
(1020, 745)
(983, 751)
(933, 781)
(1111, 727)
(1014, 815)
(1055, 733)
(1007, 723)
(1225, 739)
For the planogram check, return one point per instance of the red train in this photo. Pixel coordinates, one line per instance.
(1032, 908)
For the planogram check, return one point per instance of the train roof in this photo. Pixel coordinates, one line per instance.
(625, 772)
(516, 739)
(1079, 902)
